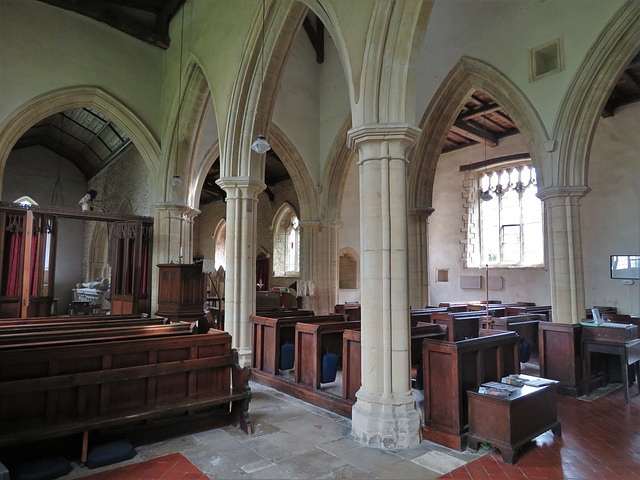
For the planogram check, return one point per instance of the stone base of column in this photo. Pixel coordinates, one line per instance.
(387, 421)
(244, 357)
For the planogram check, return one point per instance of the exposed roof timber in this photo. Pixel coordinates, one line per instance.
(147, 20)
(473, 133)
(479, 112)
(315, 31)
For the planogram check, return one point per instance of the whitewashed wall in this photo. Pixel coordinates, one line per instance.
(610, 214)
(446, 237)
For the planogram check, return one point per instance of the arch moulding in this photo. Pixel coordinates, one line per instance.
(469, 75)
(580, 111)
(56, 101)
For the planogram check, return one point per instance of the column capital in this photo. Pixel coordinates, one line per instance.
(241, 187)
(421, 211)
(575, 192)
(399, 137)
(182, 208)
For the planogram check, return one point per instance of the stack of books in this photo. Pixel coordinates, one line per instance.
(498, 389)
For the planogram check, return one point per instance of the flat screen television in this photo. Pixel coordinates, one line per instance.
(625, 266)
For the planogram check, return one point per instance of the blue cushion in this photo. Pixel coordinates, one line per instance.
(525, 351)
(108, 453)
(329, 367)
(42, 469)
(287, 354)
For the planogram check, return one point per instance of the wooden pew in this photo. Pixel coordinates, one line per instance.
(269, 334)
(452, 368)
(459, 325)
(78, 388)
(312, 341)
(526, 326)
(528, 310)
(424, 314)
(69, 319)
(351, 309)
(495, 310)
(351, 355)
(90, 335)
(53, 326)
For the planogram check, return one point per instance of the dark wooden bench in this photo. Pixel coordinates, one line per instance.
(270, 333)
(526, 326)
(69, 319)
(528, 310)
(312, 341)
(452, 368)
(353, 310)
(13, 341)
(56, 391)
(424, 314)
(351, 355)
(459, 325)
(63, 325)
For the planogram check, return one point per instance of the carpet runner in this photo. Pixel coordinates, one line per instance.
(168, 467)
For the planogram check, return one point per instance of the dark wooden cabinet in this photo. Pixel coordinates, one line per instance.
(508, 423)
(181, 291)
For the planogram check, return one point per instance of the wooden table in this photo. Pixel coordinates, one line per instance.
(508, 423)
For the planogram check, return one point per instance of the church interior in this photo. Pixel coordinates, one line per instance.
(228, 224)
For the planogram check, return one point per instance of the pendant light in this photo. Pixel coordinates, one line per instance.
(176, 181)
(486, 195)
(260, 145)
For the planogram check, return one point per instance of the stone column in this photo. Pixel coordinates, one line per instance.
(320, 263)
(418, 234)
(385, 414)
(173, 238)
(240, 280)
(564, 241)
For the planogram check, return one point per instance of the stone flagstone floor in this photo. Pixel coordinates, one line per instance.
(293, 439)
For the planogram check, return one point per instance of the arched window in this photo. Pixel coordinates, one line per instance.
(220, 239)
(286, 242)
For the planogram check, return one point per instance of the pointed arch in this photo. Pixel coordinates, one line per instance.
(581, 107)
(300, 176)
(189, 112)
(45, 105)
(334, 175)
(469, 75)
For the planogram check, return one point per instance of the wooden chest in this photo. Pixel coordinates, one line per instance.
(610, 332)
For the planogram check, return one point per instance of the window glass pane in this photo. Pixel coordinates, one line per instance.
(489, 212)
(510, 208)
(511, 244)
(504, 179)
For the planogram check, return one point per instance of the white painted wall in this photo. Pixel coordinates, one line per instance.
(610, 214)
(45, 48)
(446, 236)
(501, 32)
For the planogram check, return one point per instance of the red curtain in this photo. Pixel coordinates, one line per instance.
(15, 263)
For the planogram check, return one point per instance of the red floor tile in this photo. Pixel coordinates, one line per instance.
(600, 440)
(169, 467)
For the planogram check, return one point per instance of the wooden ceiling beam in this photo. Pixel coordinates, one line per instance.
(479, 136)
(479, 112)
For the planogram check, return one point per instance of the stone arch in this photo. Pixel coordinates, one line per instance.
(189, 111)
(302, 181)
(43, 106)
(335, 171)
(598, 73)
(469, 75)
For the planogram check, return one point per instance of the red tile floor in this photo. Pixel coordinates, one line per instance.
(600, 440)
(169, 467)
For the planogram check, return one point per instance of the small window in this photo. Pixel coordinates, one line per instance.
(286, 242)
